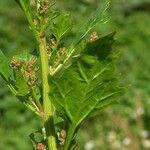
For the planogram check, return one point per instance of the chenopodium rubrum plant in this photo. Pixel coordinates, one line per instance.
(74, 79)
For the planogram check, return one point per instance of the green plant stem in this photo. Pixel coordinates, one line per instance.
(47, 105)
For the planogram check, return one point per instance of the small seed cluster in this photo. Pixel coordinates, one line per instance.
(30, 73)
(93, 37)
(43, 7)
(40, 19)
(51, 45)
(16, 64)
(27, 69)
(56, 52)
(62, 51)
(40, 146)
(62, 137)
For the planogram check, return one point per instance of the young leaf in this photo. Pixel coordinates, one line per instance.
(62, 26)
(88, 84)
(4, 66)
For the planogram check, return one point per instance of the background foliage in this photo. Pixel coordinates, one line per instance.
(122, 126)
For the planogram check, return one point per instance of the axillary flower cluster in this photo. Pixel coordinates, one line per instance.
(27, 69)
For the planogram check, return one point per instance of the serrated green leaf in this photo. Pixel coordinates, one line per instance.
(4, 66)
(61, 26)
(89, 84)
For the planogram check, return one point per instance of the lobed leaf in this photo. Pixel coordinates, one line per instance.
(88, 84)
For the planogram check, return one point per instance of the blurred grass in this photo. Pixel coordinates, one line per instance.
(122, 126)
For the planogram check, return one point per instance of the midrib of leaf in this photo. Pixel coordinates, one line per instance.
(87, 90)
(64, 32)
(99, 73)
(78, 121)
(82, 73)
(88, 82)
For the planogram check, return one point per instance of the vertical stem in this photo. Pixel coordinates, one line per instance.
(47, 105)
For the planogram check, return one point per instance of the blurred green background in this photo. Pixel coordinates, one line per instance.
(124, 126)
